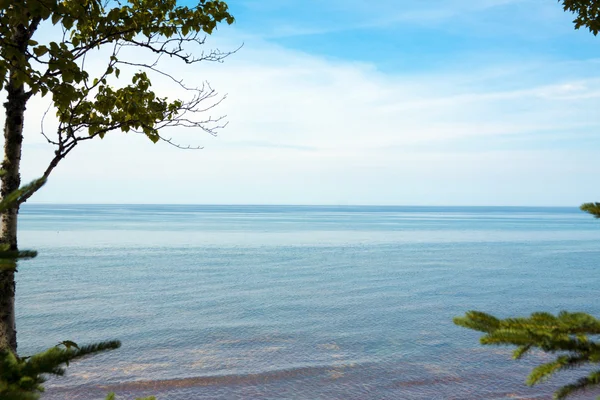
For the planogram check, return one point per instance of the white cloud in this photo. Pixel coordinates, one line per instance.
(305, 129)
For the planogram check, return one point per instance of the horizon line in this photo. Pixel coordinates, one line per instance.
(296, 205)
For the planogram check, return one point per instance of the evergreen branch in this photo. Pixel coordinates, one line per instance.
(593, 379)
(591, 208)
(49, 361)
(545, 371)
(568, 334)
(8, 259)
(94, 348)
(521, 351)
(478, 321)
(20, 195)
(21, 378)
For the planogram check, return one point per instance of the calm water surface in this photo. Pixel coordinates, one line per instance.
(271, 302)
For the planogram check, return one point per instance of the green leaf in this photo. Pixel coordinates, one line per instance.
(68, 22)
(55, 18)
(154, 137)
(40, 50)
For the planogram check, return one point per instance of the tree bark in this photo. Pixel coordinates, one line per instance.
(13, 139)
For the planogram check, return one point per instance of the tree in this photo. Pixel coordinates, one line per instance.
(88, 106)
(570, 335)
(21, 378)
(587, 13)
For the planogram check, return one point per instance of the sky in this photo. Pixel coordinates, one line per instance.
(379, 102)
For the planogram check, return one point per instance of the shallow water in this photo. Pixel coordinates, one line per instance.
(270, 302)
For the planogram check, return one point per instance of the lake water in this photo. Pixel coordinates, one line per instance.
(287, 302)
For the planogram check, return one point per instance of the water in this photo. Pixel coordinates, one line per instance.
(272, 302)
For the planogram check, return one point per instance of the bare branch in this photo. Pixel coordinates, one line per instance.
(152, 67)
(42, 128)
(173, 47)
(74, 127)
(188, 147)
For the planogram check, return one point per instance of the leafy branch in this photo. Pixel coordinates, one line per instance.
(572, 336)
(22, 378)
(92, 106)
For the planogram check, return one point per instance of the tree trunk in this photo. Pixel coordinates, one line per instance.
(13, 139)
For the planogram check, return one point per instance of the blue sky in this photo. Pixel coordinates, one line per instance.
(438, 102)
(399, 35)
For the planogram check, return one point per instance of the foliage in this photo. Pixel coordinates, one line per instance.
(587, 13)
(592, 208)
(8, 258)
(24, 191)
(569, 335)
(572, 336)
(21, 378)
(87, 107)
(91, 106)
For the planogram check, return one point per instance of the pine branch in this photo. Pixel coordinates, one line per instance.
(584, 383)
(591, 208)
(24, 192)
(21, 378)
(569, 335)
(49, 361)
(8, 258)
